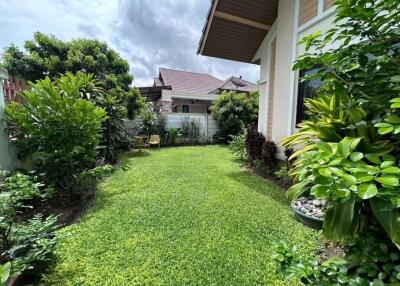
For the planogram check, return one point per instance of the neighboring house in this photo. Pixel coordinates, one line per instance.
(267, 32)
(188, 92)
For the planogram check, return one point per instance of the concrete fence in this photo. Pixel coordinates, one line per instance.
(208, 126)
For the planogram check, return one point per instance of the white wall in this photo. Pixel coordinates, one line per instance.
(208, 126)
(285, 92)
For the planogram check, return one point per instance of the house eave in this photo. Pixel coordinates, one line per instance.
(235, 30)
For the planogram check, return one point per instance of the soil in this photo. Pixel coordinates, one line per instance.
(269, 175)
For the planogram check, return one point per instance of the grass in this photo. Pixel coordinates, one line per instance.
(180, 216)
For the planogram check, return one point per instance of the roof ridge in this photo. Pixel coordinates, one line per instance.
(191, 72)
(240, 79)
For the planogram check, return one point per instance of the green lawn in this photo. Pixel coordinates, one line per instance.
(180, 216)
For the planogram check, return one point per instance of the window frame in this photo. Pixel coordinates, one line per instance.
(301, 96)
(188, 108)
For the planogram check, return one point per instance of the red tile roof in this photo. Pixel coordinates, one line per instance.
(200, 83)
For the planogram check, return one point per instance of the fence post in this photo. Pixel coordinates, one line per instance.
(206, 126)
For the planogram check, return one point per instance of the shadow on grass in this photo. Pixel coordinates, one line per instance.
(260, 185)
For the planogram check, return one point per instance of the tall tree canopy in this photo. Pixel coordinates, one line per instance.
(45, 55)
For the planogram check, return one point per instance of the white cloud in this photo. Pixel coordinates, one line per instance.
(149, 34)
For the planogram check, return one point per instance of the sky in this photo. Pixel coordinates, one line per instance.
(148, 33)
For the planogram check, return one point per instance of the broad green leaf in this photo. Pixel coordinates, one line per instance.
(335, 162)
(320, 191)
(356, 156)
(4, 272)
(343, 150)
(388, 217)
(391, 170)
(395, 78)
(385, 130)
(383, 125)
(320, 180)
(325, 147)
(325, 172)
(352, 142)
(394, 119)
(341, 220)
(297, 190)
(366, 191)
(373, 158)
(350, 179)
(395, 105)
(388, 180)
(386, 164)
(365, 179)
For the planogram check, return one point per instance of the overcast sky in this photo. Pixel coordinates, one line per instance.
(148, 33)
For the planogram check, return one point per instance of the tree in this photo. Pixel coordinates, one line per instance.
(349, 147)
(234, 112)
(46, 56)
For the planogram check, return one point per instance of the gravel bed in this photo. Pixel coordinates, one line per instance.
(310, 207)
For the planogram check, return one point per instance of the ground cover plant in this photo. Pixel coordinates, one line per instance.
(180, 216)
(349, 146)
(25, 244)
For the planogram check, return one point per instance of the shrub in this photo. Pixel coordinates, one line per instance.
(172, 134)
(114, 137)
(46, 55)
(349, 145)
(238, 146)
(233, 112)
(161, 127)
(147, 121)
(269, 154)
(190, 130)
(254, 143)
(59, 125)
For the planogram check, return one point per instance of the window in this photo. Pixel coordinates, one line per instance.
(307, 89)
(185, 108)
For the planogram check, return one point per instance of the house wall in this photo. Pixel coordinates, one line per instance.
(195, 106)
(278, 83)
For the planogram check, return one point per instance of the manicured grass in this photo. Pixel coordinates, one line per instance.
(180, 216)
